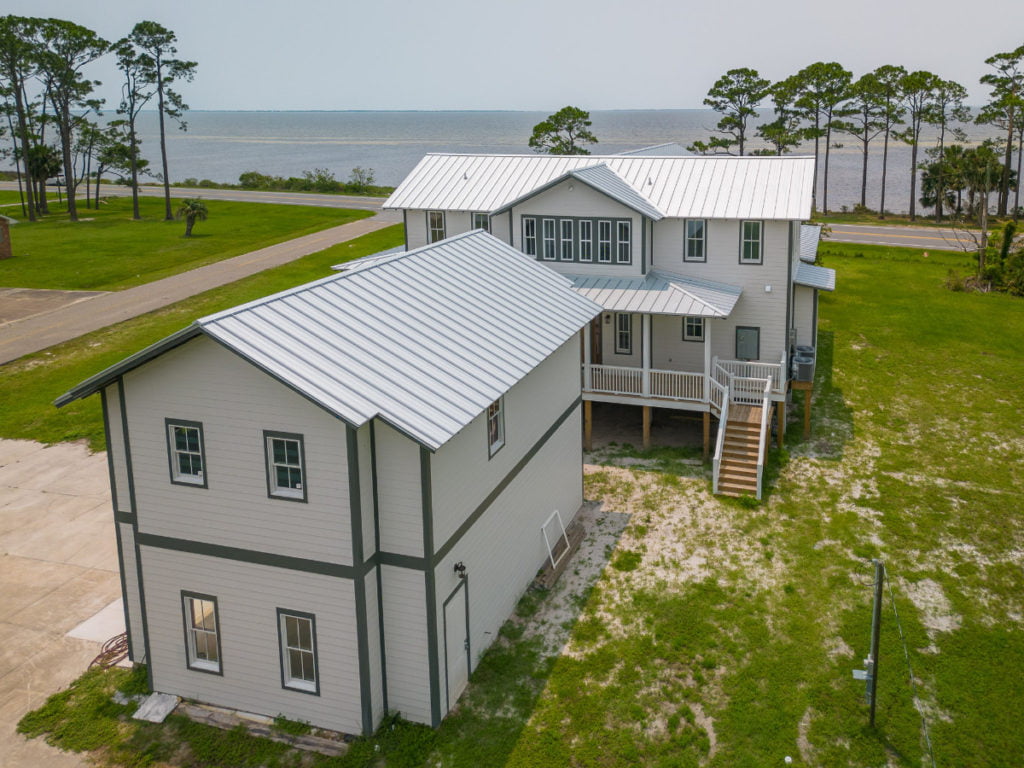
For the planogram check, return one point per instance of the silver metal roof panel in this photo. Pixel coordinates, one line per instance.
(659, 294)
(822, 278)
(810, 235)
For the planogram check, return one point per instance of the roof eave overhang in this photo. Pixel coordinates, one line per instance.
(653, 215)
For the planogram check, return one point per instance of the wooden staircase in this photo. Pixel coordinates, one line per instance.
(737, 473)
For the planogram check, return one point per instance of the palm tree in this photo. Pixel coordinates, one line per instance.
(192, 210)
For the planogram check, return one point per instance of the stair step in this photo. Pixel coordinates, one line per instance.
(737, 468)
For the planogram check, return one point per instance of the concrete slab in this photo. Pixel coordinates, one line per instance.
(156, 708)
(104, 625)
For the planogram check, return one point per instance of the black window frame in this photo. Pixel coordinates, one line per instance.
(287, 682)
(431, 228)
(196, 665)
(273, 492)
(744, 241)
(175, 476)
(703, 329)
(703, 240)
(496, 445)
(620, 350)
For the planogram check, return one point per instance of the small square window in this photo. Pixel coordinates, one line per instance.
(482, 221)
(297, 633)
(185, 450)
(693, 329)
(286, 463)
(495, 426)
(202, 632)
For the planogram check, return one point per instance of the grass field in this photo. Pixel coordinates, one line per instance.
(108, 251)
(699, 631)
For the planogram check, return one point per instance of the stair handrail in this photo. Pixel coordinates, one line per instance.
(762, 443)
(723, 421)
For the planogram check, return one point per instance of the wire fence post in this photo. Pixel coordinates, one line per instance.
(876, 631)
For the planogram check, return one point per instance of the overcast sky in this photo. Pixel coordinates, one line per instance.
(535, 54)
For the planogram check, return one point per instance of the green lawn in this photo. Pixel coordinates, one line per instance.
(108, 251)
(10, 196)
(724, 634)
(28, 386)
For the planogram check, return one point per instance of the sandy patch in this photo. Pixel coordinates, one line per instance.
(932, 604)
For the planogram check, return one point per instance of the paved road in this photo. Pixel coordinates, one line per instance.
(37, 332)
(925, 238)
(240, 195)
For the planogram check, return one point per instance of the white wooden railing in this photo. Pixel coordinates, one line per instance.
(750, 370)
(622, 380)
(719, 394)
(723, 421)
(766, 402)
(616, 380)
(677, 385)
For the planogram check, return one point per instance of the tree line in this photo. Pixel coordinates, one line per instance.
(45, 90)
(890, 104)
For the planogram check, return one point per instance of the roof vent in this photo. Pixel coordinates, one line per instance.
(465, 176)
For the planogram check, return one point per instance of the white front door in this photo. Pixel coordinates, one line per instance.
(456, 643)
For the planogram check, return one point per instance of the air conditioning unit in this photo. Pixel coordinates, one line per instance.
(803, 350)
(803, 368)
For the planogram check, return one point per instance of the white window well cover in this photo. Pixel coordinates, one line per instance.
(424, 340)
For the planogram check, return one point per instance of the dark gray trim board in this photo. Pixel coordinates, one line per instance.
(380, 581)
(281, 612)
(117, 522)
(355, 502)
(405, 227)
(430, 587)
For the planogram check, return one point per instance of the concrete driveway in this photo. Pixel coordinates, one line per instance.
(58, 569)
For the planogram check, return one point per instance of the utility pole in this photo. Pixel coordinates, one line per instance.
(870, 673)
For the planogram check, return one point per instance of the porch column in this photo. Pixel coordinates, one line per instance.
(587, 376)
(707, 359)
(707, 434)
(780, 413)
(647, 427)
(645, 332)
(588, 425)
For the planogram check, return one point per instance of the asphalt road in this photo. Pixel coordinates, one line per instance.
(925, 238)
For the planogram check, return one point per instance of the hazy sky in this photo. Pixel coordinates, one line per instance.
(535, 54)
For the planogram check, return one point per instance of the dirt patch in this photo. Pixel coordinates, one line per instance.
(932, 604)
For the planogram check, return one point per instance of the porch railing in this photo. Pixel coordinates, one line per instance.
(751, 370)
(616, 380)
(748, 391)
(622, 380)
(677, 385)
(723, 421)
(766, 402)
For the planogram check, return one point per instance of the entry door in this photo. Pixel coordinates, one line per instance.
(456, 642)
(748, 343)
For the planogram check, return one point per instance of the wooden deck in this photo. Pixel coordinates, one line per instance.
(747, 414)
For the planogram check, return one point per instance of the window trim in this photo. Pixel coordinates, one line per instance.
(544, 239)
(626, 242)
(563, 241)
(623, 350)
(588, 241)
(486, 226)
(494, 446)
(289, 683)
(192, 663)
(176, 477)
(703, 240)
(736, 345)
(759, 241)
(273, 491)
(693, 337)
(431, 229)
(530, 239)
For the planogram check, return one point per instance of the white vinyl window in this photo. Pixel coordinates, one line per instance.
(750, 247)
(565, 244)
(435, 226)
(694, 249)
(586, 240)
(482, 221)
(185, 449)
(623, 333)
(548, 233)
(495, 426)
(604, 241)
(298, 651)
(530, 236)
(693, 329)
(285, 466)
(201, 632)
(623, 241)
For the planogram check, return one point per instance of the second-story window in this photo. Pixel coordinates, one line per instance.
(530, 236)
(696, 239)
(435, 226)
(750, 242)
(482, 221)
(623, 333)
(548, 226)
(604, 241)
(586, 240)
(286, 466)
(495, 426)
(623, 242)
(185, 449)
(565, 249)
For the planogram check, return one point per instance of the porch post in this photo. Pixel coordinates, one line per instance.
(780, 413)
(707, 434)
(588, 425)
(645, 331)
(647, 427)
(586, 358)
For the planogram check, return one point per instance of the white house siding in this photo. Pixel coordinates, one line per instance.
(462, 474)
(608, 354)
(248, 597)
(505, 548)
(201, 381)
(668, 350)
(803, 315)
(366, 490)
(756, 307)
(499, 227)
(374, 647)
(399, 492)
(455, 222)
(137, 637)
(405, 642)
(582, 201)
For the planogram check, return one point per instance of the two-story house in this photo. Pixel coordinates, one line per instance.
(696, 262)
(327, 501)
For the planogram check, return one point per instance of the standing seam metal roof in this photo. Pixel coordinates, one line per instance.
(717, 187)
(657, 293)
(808, 275)
(424, 340)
